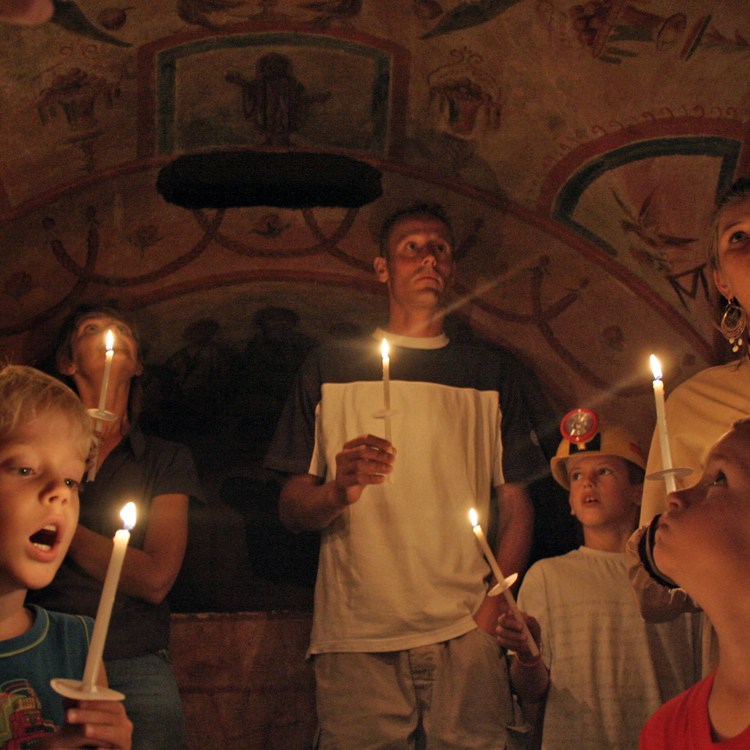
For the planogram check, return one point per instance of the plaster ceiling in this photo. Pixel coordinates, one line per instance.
(578, 147)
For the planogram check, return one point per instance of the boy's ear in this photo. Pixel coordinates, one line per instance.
(381, 268)
(638, 494)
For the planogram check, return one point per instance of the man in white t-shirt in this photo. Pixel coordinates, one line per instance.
(403, 634)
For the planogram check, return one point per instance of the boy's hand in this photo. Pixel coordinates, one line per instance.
(510, 634)
(92, 724)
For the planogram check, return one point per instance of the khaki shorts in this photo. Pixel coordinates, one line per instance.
(453, 695)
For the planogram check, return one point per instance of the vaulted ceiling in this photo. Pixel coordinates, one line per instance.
(579, 148)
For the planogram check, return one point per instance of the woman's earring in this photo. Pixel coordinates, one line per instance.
(733, 324)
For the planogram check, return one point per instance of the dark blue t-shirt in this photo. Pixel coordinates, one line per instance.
(56, 646)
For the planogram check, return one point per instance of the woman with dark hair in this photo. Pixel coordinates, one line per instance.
(159, 477)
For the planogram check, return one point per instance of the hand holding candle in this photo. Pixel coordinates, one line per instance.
(502, 581)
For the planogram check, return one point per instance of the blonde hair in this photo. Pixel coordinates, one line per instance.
(27, 393)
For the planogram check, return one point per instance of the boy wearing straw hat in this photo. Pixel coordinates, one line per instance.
(602, 670)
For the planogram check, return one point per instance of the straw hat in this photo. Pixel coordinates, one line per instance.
(583, 434)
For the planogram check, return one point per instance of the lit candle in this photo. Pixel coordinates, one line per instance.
(101, 411)
(507, 593)
(661, 425)
(107, 369)
(386, 389)
(103, 613)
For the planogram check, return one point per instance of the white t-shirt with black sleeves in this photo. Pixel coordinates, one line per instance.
(401, 568)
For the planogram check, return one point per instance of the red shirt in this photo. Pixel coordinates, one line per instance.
(683, 724)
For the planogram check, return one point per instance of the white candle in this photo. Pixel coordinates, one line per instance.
(386, 389)
(507, 593)
(107, 369)
(103, 613)
(661, 425)
(110, 343)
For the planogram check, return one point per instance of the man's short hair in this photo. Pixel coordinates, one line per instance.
(434, 210)
(27, 393)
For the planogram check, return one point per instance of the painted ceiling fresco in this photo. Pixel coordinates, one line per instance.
(579, 148)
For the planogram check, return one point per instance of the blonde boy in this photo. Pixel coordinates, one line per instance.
(45, 437)
(603, 670)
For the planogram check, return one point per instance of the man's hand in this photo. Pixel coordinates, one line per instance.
(365, 460)
(306, 504)
(92, 724)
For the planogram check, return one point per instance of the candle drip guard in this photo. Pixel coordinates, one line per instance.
(498, 588)
(105, 416)
(675, 471)
(74, 690)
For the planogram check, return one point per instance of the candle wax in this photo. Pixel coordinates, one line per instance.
(507, 593)
(103, 613)
(661, 426)
(107, 370)
(387, 390)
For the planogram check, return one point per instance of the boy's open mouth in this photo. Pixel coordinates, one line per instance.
(45, 538)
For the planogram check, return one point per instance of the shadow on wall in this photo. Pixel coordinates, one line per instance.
(206, 389)
(224, 404)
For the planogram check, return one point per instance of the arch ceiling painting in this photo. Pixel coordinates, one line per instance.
(578, 146)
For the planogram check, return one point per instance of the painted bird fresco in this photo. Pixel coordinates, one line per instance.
(70, 17)
(333, 10)
(468, 14)
(198, 12)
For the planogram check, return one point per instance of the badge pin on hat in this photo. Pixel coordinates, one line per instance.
(584, 434)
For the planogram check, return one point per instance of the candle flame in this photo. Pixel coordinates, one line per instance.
(384, 349)
(473, 517)
(110, 340)
(655, 367)
(128, 516)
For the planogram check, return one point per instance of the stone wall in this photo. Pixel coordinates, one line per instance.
(244, 680)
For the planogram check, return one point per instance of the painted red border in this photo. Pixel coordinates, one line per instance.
(238, 278)
(146, 67)
(645, 131)
(539, 220)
